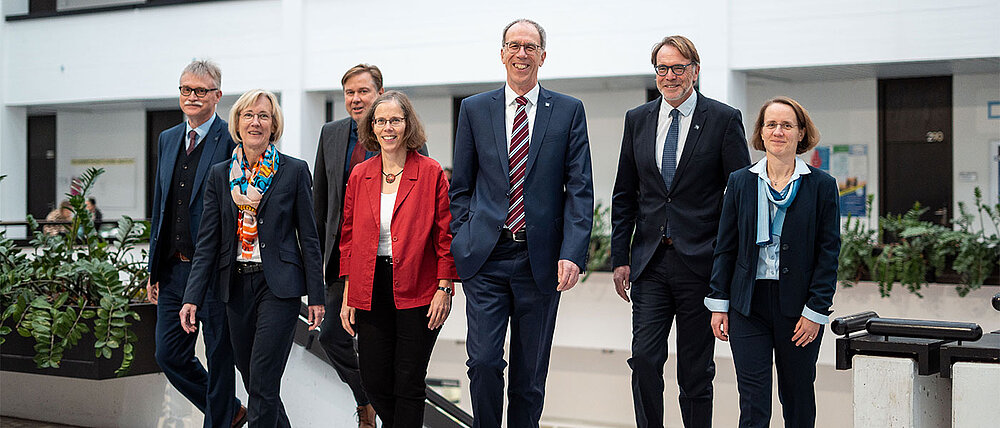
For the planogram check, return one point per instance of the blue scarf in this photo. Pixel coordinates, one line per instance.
(766, 226)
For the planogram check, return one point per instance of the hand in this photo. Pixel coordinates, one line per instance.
(316, 313)
(152, 291)
(568, 274)
(622, 284)
(188, 321)
(440, 308)
(347, 318)
(720, 326)
(805, 332)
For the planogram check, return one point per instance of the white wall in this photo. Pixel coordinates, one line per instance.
(111, 139)
(973, 132)
(775, 33)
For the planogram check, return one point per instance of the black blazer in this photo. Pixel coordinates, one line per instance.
(810, 245)
(328, 190)
(289, 245)
(218, 146)
(640, 204)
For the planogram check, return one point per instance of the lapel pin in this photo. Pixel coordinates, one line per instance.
(697, 126)
(546, 104)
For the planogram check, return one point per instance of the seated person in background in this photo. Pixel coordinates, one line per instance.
(92, 207)
(63, 213)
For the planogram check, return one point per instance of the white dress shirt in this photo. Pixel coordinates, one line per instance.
(510, 101)
(663, 125)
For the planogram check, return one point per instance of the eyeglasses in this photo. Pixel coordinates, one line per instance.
(248, 117)
(199, 92)
(678, 69)
(529, 48)
(784, 125)
(395, 121)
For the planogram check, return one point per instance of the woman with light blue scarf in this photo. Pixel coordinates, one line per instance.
(775, 267)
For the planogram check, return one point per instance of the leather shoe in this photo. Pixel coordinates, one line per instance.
(366, 416)
(240, 418)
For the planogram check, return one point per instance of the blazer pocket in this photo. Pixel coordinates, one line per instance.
(225, 259)
(292, 257)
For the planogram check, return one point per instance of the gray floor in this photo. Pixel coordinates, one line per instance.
(6, 422)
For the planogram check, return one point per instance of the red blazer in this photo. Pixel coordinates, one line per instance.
(421, 239)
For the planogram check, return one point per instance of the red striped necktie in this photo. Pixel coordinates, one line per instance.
(518, 162)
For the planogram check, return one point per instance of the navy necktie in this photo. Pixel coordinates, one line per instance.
(669, 161)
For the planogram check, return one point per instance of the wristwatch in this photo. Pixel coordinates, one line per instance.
(446, 290)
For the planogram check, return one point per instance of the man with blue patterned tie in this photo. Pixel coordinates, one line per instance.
(677, 153)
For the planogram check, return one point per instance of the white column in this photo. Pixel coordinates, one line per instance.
(889, 393)
(13, 150)
(292, 96)
(975, 394)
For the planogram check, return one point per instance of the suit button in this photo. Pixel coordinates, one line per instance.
(669, 200)
(394, 239)
(180, 202)
(262, 245)
(182, 184)
(185, 166)
(261, 221)
(784, 270)
(499, 228)
(661, 228)
(784, 247)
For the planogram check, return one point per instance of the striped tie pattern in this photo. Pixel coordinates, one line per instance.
(518, 162)
(193, 138)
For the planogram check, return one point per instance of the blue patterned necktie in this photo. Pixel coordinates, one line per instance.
(669, 163)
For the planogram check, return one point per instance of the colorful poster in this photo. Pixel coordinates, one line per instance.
(849, 165)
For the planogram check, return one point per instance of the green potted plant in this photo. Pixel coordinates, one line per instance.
(921, 252)
(75, 297)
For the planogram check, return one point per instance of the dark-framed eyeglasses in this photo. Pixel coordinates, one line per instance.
(784, 125)
(262, 117)
(529, 48)
(678, 69)
(199, 92)
(394, 121)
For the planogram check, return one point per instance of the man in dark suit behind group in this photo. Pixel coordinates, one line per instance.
(677, 153)
(184, 154)
(522, 205)
(337, 154)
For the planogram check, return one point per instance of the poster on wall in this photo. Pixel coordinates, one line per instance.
(848, 163)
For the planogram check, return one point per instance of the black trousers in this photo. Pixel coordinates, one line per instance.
(754, 340)
(338, 345)
(394, 348)
(262, 328)
(212, 391)
(665, 291)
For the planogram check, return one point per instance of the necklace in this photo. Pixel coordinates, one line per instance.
(390, 178)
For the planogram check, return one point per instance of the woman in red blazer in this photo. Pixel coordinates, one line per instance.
(395, 257)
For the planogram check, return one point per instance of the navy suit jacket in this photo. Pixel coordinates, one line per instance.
(641, 205)
(558, 188)
(810, 245)
(218, 146)
(286, 233)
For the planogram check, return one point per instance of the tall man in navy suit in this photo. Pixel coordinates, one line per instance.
(522, 204)
(184, 154)
(676, 155)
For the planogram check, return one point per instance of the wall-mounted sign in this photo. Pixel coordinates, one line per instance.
(993, 109)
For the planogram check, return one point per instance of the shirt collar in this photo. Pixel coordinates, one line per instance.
(760, 168)
(202, 129)
(510, 96)
(686, 108)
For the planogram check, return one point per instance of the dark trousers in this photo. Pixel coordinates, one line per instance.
(502, 292)
(212, 391)
(262, 327)
(754, 340)
(338, 345)
(394, 348)
(668, 289)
